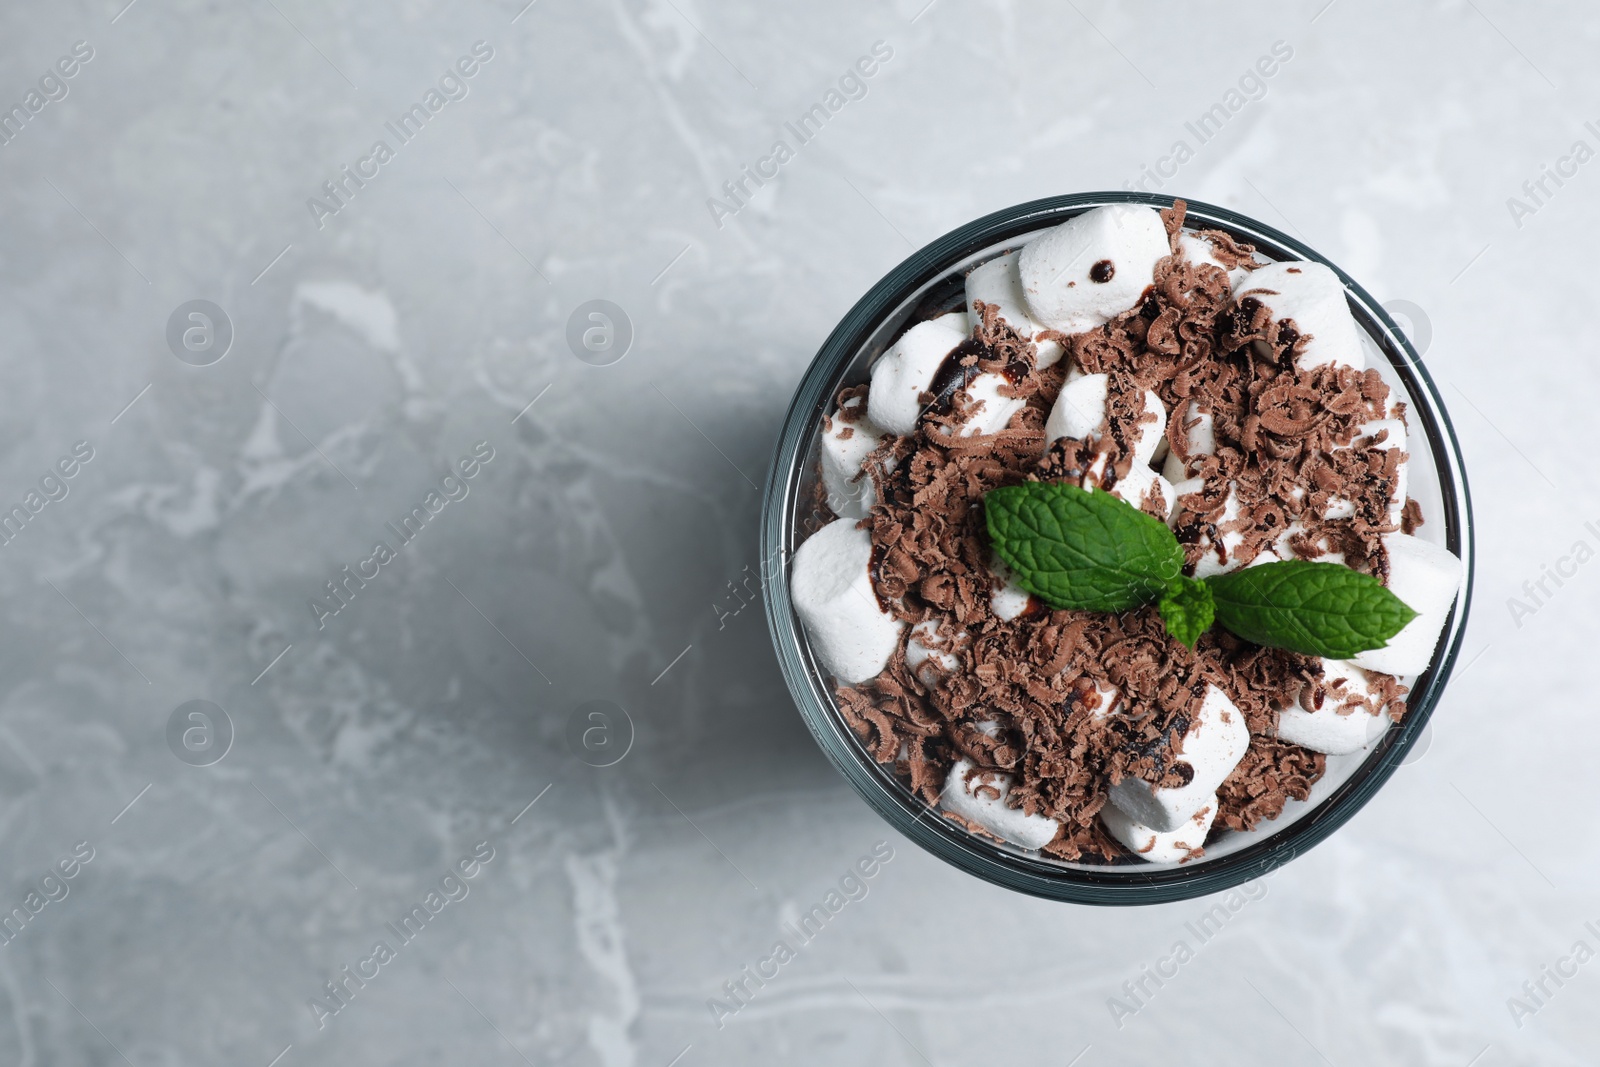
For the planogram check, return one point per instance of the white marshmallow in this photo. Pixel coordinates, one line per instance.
(997, 282)
(1199, 250)
(1202, 441)
(1009, 600)
(1057, 266)
(1214, 744)
(1109, 701)
(1153, 846)
(1395, 438)
(832, 589)
(1188, 485)
(991, 813)
(1346, 721)
(1427, 578)
(1313, 296)
(1136, 486)
(1181, 490)
(842, 459)
(906, 370)
(996, 411)
(1080, 412)
(1394, 431)
(928, 664)
(1222, 553)
(1283, 550)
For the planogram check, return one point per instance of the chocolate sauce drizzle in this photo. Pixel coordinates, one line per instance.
(960, 369)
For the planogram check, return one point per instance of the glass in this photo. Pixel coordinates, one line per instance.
(936, 273)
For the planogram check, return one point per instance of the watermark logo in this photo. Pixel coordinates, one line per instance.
(1537, 992)
(347, 584)
(799, 932)
(1204, 128)
(53, 487)
(452, 888)
(52, 888)
(199, 733)
(852, 85)
(1537, 592)
(199, 332)
(1419, 747)
(600, 733)
(452, 86)
(1414, 323)
(1542, 187)
(52, 87)
(599, 333)
(1139, 991)
(766, 571)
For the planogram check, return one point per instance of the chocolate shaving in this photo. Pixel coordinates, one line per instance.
(1271, 774)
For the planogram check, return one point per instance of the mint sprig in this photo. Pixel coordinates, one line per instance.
(1086, 550)
(1188, 609)
(1320, 609)
(1081, 550)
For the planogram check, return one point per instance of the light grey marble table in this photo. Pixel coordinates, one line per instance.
(227, 868)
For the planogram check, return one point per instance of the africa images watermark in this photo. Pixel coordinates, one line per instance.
(1536, 992)
(767, 570)
(1537, 191)
(852, 86)
(347, 584)
(52, 88)
(53, 487)
(1538, 591)
(854, 885)
(1138, 992)
(339, 991)
(52, 888)
(339, 191)
(1251, 87)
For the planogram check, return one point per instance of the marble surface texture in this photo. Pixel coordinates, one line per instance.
(378, 339)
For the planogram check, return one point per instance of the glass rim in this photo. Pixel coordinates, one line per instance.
(1032, 873)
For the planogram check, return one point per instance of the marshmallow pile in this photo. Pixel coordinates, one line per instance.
(1074, 277)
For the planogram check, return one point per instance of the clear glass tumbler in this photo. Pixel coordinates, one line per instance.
(936, 274)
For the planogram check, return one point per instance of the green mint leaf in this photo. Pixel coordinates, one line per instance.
(1188, 609)
(1080, 549)
(1319, 609)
